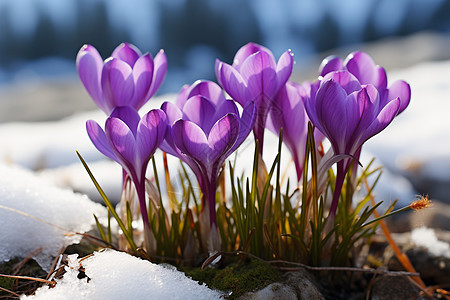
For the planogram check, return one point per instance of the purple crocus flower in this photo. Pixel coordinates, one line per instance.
(204, 129)
(362, 66)
(255, 76)
(348, 114)
(288, 112)
(127, 78)
(131, 142)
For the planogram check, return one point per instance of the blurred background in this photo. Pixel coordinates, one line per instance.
(39, 39)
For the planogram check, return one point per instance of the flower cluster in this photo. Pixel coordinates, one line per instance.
(348, 104)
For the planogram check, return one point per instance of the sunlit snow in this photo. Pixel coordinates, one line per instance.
(426, 237)
(37, 217)
(117, 275)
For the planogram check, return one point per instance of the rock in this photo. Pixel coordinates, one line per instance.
(305, 284)
(296, 285)
(434, 269)
(273, 291)
(394, 287)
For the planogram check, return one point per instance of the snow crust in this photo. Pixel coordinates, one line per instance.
(117, 275)
(35, 214)
(426, 237)
(419, 139)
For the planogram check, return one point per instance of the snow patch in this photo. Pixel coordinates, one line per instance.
(35, 214)
(426, 237)
(117, 275)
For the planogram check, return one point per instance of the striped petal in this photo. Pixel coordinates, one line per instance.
(89, 66)
(117, 83)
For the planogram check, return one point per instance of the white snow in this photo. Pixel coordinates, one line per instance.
(426, 237)
(419, 139)
(37, 215)
(117, 275)
(107, 172)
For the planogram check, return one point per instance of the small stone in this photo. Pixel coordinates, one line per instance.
(275, 291)
(433, 269)
(305, 284)
(394, 287)
(296, 285)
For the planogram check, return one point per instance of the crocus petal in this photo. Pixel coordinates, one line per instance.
(223, 135)
(294, 119)
(402, 90)
(207, 89)
(117, 83)
(246, 124)
(168, 146)
(225, 107)
(284, 67)
(199, 110)
(380, 81)
(128, 115)
(172, 112)
(98, 138)
(182, 95)
(245, 51)
(334, 121)
(330, 64)
(383, 119)
(367, 103)
(310, 89)
(258, 71)
(362, 66)
(160, 70)
(151, 132)
(345, 79)
(232, 82)
(310, 101)
(310, 107)
(278, 113)
(190, 139)
(89, 65)
(358, 110)
(143, 76)
(122, 140)
(127, 53)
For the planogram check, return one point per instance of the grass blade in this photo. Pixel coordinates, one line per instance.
(108, 203)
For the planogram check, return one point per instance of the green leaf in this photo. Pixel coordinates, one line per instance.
(108, 203)
(100, 228)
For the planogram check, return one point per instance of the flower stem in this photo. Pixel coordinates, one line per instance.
(210, 201)
(340, 177)
(140, 190)
(379, 218)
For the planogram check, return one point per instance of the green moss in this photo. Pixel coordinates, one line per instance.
(237, 279)
(6, 283)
